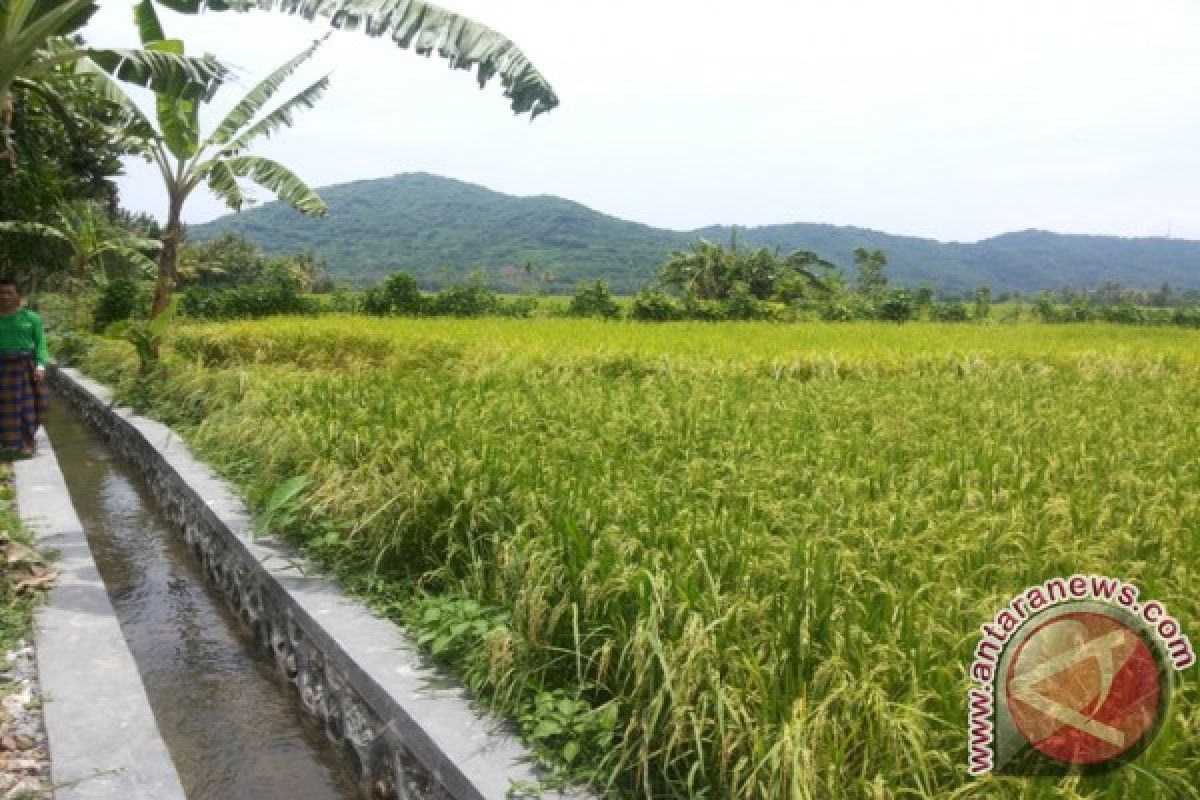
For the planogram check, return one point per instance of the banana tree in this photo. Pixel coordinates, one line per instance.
(425, 27)
(86, 232)
(709, 271)
(35, 38)
(705, 270)
(185, 160)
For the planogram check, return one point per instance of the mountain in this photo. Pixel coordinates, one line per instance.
(441, 230)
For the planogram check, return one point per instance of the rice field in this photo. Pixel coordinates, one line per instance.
(756, 557)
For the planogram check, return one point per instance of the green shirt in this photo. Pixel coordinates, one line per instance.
(22, 330)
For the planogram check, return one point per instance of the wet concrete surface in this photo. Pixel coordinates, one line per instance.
(233, 728)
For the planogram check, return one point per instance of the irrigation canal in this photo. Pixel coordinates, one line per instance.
(233, 727)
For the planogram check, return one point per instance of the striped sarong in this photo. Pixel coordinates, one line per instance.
(23, 401)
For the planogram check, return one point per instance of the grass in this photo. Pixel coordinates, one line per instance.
(16, 609)
(759, 555)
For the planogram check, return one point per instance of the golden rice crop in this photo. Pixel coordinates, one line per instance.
(770, 547)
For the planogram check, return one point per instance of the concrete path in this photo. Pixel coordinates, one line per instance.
(103, 739)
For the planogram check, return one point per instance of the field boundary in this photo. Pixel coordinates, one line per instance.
(355, 673)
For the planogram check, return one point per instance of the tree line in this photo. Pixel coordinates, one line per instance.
(229, 277)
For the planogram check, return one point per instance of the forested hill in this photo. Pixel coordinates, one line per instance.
(441, 230)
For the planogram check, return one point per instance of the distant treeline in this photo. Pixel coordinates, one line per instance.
(230, 278)
(709, 282)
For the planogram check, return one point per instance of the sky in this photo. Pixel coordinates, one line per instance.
(948, 119)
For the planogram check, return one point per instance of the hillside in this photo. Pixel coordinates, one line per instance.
(440, 230)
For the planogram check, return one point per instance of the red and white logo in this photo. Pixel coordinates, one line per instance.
(1074, 674)
(1084, 688)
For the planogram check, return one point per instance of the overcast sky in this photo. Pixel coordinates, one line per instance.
(950, 119)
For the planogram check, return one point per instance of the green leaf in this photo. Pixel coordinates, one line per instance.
(136, 123)
(173, 46)
(24, 38)
(153, 245)
(177, 115)
(546, 728)
(570, 751)
(157, 327)
(285, 493)
(54, 101)
(32, 229)
(257, 98)
(172, 115)
(177, 121)
(78, 12)
(426, 28)
(280, 180)
(280, 117)
(146, 19)
(130, 254)
(223, 183)
(170, 73)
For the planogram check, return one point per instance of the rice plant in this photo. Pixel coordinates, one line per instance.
(761, 552)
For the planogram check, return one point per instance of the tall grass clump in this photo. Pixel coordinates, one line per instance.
(756, 557)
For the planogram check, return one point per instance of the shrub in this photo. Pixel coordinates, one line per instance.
(651, 305)
(704, 310)
(1188, 317)
(473, 300)
(948, 312)
(742, 304)
(519, 307)
(836, 312)
(402, 295)
(1124, 312)
(374, 302)
(1080, 311)
(897, 306)
(983, 303)
(70, 347)
(280, 295)
(924, 297)
(344, 300)
(594, 300)
(1045, 308)
(119, 300)
(201, 303)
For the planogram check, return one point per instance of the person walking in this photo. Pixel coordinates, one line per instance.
(23, 359)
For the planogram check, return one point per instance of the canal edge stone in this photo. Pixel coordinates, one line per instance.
(356, 673)
(102, 737)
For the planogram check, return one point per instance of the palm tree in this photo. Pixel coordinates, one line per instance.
(86, 231)
(35, 38)
(705, 270)
(708, 271)
(185, 160)
(427, 28)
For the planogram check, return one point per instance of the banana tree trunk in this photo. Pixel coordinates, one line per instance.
(168, 258)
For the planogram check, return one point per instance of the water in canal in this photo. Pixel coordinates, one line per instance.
(230, 721)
